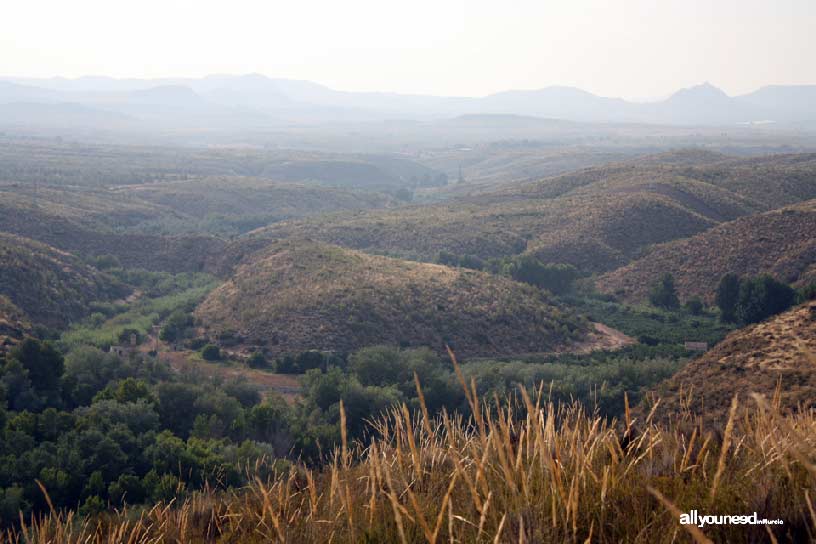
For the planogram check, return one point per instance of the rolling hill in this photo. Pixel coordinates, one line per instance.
(597, 219)
(244, 202)
(780, 351)
(296, 295)
(50, 286)
(60, 228)
(63, 163)
(779, 242)
(164, 225)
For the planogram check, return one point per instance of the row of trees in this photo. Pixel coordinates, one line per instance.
(752, 299)
(557, 278)
(743, 300)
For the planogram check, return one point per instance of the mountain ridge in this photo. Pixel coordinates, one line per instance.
(702, 104)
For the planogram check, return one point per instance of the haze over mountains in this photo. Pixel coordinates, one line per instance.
(256, 100)
(264, 259)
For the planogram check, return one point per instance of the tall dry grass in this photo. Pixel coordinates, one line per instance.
(551, 474)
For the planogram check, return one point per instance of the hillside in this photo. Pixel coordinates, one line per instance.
(151, 252)
(169, 225)
(773, 181)
(52, 287)
(299, 295)
(36, 160)
(238, 204)
(780, 351)
(14, 324)
(779, 242)
(597, 218)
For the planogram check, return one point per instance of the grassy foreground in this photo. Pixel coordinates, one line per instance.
(523, 470)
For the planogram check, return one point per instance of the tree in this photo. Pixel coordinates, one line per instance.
(664, 293)
(176, 326)
(695, 306)
(176, 406)
(3, 406)
(242, 390)
(257, 360)
(20, 393)
(377, 365)
(727, 297)
(87, 371)
(269, 422)
(128, 488)
(211, 352)
(762, 297)
(555, 277)
(44, 365)
(127, 390)
(106, 262)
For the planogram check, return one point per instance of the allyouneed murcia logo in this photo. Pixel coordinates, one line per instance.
(694, 518)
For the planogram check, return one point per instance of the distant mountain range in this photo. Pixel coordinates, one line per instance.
(254, 99)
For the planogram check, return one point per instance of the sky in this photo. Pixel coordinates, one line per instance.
(636, 49)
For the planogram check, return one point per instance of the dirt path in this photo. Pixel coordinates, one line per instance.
(603, 338)
(286, 385)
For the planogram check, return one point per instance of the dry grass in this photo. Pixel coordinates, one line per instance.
(519, 471)
(770, 356)
(298, 294)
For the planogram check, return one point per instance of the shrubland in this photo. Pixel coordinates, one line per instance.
(519, 469)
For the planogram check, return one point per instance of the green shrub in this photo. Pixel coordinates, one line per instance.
(695, 306)
(257, 360)
(664, 293)
(728, 296)
(762, 297)
(554, 277)
(211, 352)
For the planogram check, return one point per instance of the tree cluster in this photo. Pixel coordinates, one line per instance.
(98, 431)
(753, 299)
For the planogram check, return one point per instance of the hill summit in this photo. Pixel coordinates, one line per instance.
(296, 295)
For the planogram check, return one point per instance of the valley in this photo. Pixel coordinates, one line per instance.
(195, 322)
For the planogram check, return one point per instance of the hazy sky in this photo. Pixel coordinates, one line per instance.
(630, 48)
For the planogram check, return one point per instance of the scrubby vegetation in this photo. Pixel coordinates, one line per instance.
(595, 219)
(774, 357)
(297, 295)
(159, 381)
(163, 297)
(664, 294)
(525, 470)
(556, 278)
(780, 243)
(52, 287)
(229, 206)
(659, 331)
